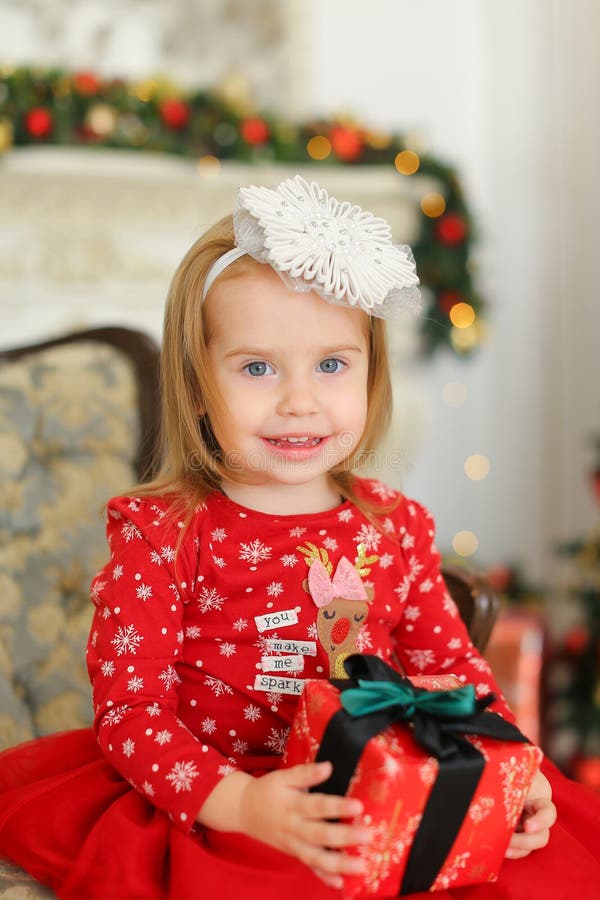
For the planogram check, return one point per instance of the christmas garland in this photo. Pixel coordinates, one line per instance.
(57, 107)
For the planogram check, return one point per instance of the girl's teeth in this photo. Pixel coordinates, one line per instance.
(305, 441)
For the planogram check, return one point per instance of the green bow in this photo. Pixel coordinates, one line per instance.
(372, 696)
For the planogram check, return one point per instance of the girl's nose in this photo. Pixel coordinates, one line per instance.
(298, 398)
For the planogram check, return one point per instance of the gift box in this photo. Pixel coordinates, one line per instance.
(442, 781)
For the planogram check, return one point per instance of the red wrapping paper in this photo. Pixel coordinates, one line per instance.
(393, 780)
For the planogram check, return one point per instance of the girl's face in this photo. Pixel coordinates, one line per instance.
(292, 370)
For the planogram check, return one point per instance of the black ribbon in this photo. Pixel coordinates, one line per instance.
(460, 763)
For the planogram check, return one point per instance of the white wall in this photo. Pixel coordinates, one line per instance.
(509, 92)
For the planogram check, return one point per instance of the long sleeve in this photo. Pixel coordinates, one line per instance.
(133, 654)
(431, 638)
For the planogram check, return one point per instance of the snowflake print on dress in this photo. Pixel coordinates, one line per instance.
(254, 551)
(127, 640)
(331, 544)
(386, 560)
(275, 589)
(135, 684)
(163, 737)
(226, 648)
(108, 668)
(218, 535)
(345, 515)
(240, 624)
(407, 542)
(412, 613)
(181, 776)
(289, 560)
(128, 747)
(426, 586)
(148, 789)
(369, 536)
(208, 725)
(240, 747)
(364, 642)
(130, 532)
(153, 710)
(210, 599)
(217, 686)
(252, 713)
(156, 558)
(421, 659)
(297, 532)
(96, 590)
(115, 715)
(277, 739)
(169, 677)
(168, 553)
(143, 592)
(450, 606)
(192, 632)
(219, 562)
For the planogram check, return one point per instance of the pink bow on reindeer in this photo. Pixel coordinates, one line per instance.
(345, 583)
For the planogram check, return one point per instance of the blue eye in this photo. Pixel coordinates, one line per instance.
(331, 365)
(258, 368)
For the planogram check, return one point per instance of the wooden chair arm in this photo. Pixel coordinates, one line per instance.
(477, 602)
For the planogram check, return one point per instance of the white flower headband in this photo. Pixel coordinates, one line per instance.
(315, 243)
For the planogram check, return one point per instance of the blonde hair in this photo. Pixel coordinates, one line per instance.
(187, 465)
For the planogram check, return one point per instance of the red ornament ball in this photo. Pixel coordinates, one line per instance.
(448, 299)
(576, 640)
(174, 113)
(346, 143)
(500, 577)
(451, 229)
(254, 131)
(38, 122)
(86, 83)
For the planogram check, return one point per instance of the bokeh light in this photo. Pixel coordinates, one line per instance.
(407, 162)
(477, 467)
(462, 315)
(465, 543)
(433, 205)
(318, 147)
(209, 166)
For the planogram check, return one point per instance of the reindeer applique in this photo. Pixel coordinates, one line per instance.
(342, 602)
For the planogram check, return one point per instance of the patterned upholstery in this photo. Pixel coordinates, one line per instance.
(70, 429)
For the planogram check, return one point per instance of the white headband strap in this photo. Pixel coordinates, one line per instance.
(219, 266)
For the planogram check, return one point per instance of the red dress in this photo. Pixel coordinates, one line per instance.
(189, 660)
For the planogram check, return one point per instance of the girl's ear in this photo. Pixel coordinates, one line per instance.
(370, 591)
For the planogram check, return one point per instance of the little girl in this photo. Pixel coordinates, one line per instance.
(275, 384)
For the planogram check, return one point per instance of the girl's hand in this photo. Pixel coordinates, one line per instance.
(537, 818)
(278, 810)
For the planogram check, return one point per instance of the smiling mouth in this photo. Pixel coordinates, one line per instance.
(295, 442)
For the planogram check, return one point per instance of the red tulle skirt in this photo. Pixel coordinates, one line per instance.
(70, 820)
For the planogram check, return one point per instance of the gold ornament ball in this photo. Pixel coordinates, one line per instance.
(102, 119)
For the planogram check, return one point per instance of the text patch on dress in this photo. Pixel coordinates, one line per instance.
(306, 648)
(280, 619)
(282, 663)
(279, 685)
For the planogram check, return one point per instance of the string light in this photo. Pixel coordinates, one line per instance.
(433, 205)
(318, 147)
(462, 315)
(407, 162)
(454, 393)
(464, 339)
(465, 543)
(477, 467)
